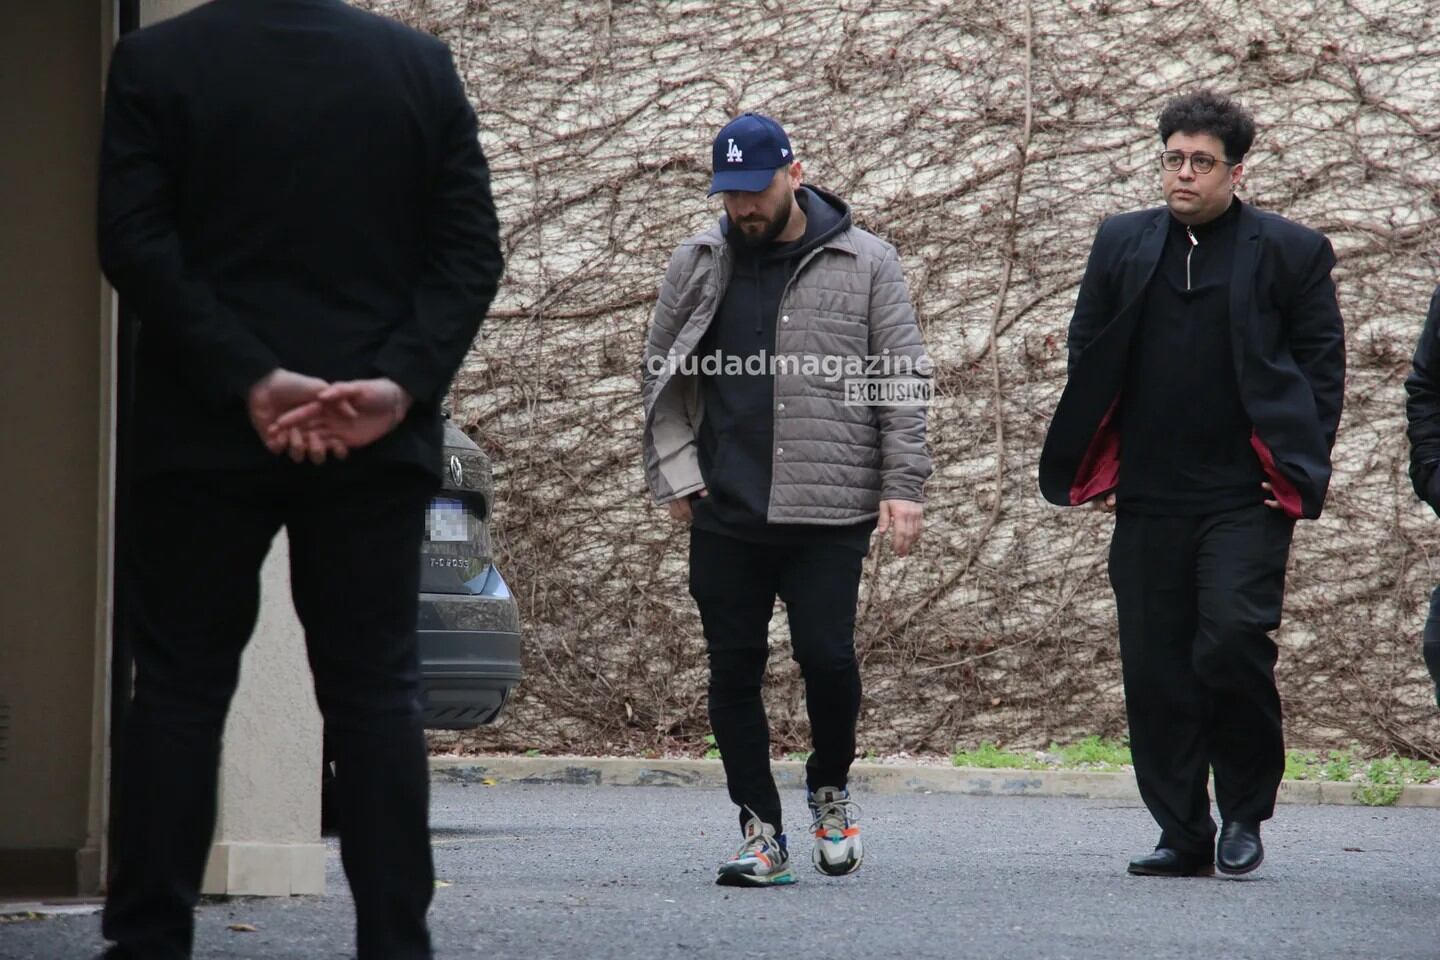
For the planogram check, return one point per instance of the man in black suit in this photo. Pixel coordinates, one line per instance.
(294, 203)
(1207, 368)
(1422, 414)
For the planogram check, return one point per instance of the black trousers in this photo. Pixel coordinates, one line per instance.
(735, 583)
(1431, 641)
(200, 537)
(1197, 599)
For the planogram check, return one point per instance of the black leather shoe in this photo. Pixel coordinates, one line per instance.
(1165, 862)
(1240, 849)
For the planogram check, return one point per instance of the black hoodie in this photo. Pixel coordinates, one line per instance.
(737, 432)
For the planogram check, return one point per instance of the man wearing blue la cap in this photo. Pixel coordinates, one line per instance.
(781, 480)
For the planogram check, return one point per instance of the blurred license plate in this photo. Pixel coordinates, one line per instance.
(447, 521)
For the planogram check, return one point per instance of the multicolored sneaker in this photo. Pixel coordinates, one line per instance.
(761, 861)
(838, 849)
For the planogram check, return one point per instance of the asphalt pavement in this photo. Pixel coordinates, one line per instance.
(550, 871)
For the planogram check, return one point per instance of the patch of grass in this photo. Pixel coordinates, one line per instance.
(1378, 783)
(1386, 779)
(1417, 771)
(991, 757)
(798, 755)
(1339, 766)
(1093, 751)
(1379, 795)
(1302, 765)
(714, 752)
(532, 752)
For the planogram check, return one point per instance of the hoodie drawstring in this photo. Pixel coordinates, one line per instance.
(759, 315)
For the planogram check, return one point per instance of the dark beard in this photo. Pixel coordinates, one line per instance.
(739, 238)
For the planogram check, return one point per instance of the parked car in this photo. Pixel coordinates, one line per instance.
(469, 624)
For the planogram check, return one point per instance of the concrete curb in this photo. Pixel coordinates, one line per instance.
(20, 911)
(868, 777)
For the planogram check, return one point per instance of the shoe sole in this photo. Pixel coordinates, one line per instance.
(745, 880)
(849, 866)
(832, 872)
(836, 870)
(1200, 872)
(1244, 870)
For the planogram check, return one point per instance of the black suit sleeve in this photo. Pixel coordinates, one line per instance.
(140, 247)
(463, 260)
(1422, 407)
(1095, 304)
(1317, 338)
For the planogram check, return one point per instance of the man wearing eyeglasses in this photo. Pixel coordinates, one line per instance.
(1206, 373)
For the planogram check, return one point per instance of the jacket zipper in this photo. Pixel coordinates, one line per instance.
(1193, 244)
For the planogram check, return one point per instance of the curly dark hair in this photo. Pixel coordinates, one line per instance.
(1208, 112)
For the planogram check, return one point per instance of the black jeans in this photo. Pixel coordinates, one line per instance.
(734, 583)
(1197, 599)
(200, 537)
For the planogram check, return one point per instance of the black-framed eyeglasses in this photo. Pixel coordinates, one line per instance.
(1201, 163)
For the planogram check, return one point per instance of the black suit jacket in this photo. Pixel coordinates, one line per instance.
(1422, 409)
(297, 184)
(1287, 339)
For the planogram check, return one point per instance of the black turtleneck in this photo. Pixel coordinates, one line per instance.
(1185, 437)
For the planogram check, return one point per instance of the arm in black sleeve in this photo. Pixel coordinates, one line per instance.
(1317, 338)
(463, 260)
(140, 246)
(1095, 304)
(1422, 406)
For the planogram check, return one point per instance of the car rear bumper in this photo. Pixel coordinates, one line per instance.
(469, 654)
(466, 676)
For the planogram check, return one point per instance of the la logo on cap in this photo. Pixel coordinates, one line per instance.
(734, 154)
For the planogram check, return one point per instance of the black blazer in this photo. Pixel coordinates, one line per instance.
(297, 184)
(1422, 409)
(1287, 337)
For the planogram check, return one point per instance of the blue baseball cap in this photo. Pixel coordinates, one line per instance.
(747, 153)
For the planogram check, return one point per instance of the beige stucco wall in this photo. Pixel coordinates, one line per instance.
(155, 10)
(54, 446)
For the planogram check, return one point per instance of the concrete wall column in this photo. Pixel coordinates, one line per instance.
(267, 835)
(54, 450)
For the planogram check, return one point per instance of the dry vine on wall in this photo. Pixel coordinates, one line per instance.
(986, 141)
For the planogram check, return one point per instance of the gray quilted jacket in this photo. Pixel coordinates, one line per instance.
(833, 463)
